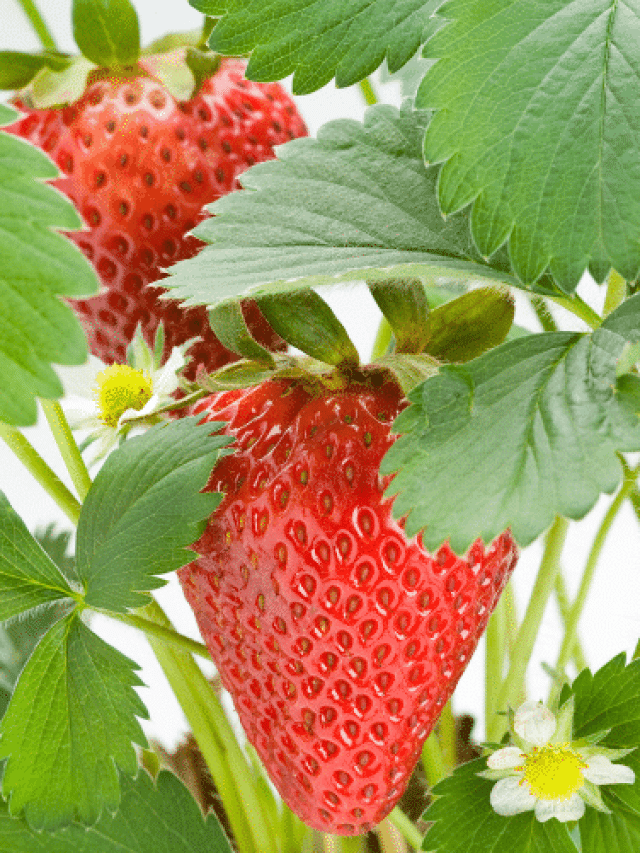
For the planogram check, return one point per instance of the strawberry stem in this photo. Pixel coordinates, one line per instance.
(432, 760)
(152, 629)
(579, 307)
(368, 92)
(216, 738)
(39, 469)
(407, 828)
(447, 734)
(68, 447)
(576, 608)
(38, 23)
(495, 648)
(545, 581)
(390, 838)
(562, 598)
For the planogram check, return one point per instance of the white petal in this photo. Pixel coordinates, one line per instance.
(509, 797)
(150, 406)
(165, 381)
(563, 810)
(506, 758)
(106, 440)
(534, 723)
(82, 414)
(601, 771)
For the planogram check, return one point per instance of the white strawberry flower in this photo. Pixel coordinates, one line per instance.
(125, 394)
(548, 773)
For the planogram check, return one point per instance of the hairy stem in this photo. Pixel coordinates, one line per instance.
(368, 92)
(39, 469)
(543, 314)
(217, 740)
(160, 632)
(38, 23)
(562, 598)
(68, 447)
(390, 839)
(512, 685)
(576, 608)
(495, 648)
(406, 827)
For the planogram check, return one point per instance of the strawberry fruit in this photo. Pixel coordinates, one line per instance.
(139, 165)
(339, 639)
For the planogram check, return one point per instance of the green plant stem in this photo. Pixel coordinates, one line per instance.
(390, 839)
(495, 648)
(448, 738)
(39, 469)
(616, 292)
(207, 29)
(563, 603)
(543, 314)
(217, 741)
(573, 616)
(153, 629)
(383, 339)
(331, 843)
(68, 447)
(37, 22)
(432, 760)
(368, 92)
(406, 827)
(580, 308)
(512, 685)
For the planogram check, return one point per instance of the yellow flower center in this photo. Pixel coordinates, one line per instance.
(120, 387)
(553, 772)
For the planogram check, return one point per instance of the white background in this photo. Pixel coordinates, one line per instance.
(611, 619)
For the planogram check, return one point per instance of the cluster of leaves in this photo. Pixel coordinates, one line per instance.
(464, 822)
(69, 729)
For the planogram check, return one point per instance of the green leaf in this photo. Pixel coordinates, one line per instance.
(28, 577)
(602, 833)
(71, 719)
(609, 699)
(524, 432)
(535, 124)
(357, 202)
(318, 39)
(143, 511)
(37, 266)
(18, 69)
(160, 817)
(106, 31)
(465, 822)
(471, 324)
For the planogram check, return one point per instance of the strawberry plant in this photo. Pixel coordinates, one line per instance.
(345, 526)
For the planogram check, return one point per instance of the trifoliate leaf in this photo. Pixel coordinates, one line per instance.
(524, 432)
(318, 39)
(37, 266)
(535, 123)
(357, 202)
(106, 31)
(28, 577)
(71, 720)
(465, 822)
(143, 511)
(154, 817)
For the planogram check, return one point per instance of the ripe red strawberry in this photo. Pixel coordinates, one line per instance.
(339, 639)
(139, 166)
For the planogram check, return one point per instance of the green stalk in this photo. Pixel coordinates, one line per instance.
(331, 843)
(580, 308)
(207, 29)
(368, 92)
(390, 839)
(39, 469)
(216, 739)
(432, 760)
(563, 603)
(68, 447)
(495, 647)
(407, 828)
(616, 292)
(37, 22)
(571, 631)
(543, 314)
(448, 739)
(152, 629)
(383, 339)
(514, 682)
